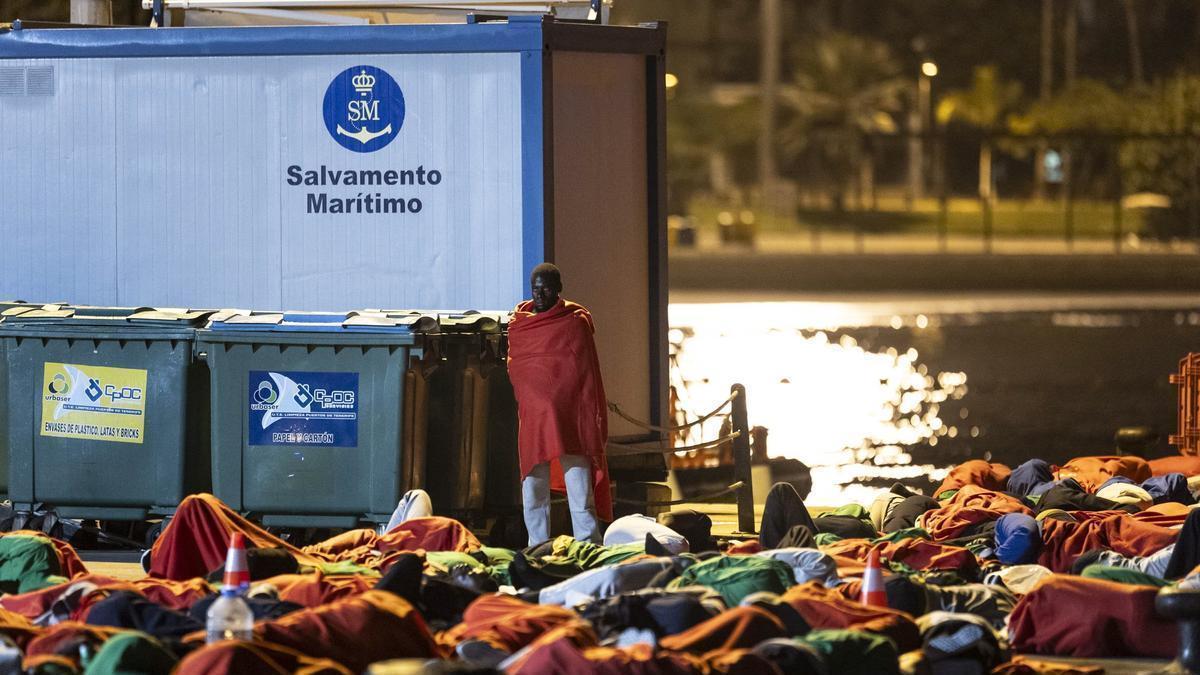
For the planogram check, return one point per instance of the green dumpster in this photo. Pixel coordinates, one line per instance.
(308, 415)
(466, 382)
(8, 309)
(106, 410)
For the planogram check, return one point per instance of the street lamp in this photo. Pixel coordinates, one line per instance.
(672, 81)
(918, 129)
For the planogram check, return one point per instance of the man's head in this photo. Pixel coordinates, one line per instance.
(545, 283)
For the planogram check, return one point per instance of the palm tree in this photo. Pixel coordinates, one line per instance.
(985, 106)
(846, 88)
(1135, 43)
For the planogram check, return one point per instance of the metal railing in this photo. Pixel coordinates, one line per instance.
(739, 436)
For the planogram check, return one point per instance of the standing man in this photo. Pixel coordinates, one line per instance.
(561, 408)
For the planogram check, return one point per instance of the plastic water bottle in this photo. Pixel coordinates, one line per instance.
(229, 617)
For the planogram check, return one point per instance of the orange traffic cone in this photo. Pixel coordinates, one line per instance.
(872, 582)
(237, 572)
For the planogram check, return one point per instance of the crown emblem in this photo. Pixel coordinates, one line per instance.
(363, 83)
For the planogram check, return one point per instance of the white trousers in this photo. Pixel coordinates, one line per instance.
(535, 494)
(414, 504)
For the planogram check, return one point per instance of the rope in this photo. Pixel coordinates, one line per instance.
(622, 449)
(665, 430)
(676, 502)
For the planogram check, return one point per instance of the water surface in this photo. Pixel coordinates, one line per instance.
(869, 390)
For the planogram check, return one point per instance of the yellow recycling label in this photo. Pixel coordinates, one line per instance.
(94, 402)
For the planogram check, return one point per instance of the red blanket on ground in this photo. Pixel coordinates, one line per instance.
(1074, 616)
(1092, 472)
(564, 656)
(51, 640)
(506, 622)
(1064, 541)
(826, 608)
(561, 405)
(169, 594)
(969, 506)
(918, 554)
(17, 627)
(196, 541)
(354, 632)
(432, 533)
(975, 472)
(738, 627)
(254, 658)
(312, 590)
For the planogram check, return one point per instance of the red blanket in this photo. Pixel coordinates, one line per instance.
(254, 658)
(825, 608)
(564, 656)
(1092, 472)
(506, 622)
(561, 405)
(363, 546)
(1073, 616)
(354, 632)
(196, 541)
(1064, 541)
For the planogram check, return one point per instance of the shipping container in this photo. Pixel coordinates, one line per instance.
(328, 168)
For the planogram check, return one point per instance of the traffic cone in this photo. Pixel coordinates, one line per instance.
(872, 582)
(237, 572)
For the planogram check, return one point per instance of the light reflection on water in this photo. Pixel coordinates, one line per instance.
(871, 389)
(845, 411)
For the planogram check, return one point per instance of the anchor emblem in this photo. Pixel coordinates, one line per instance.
(363, 109)
(363, 136)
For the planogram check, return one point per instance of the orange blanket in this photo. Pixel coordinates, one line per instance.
(969, 506)
(975, 472)
(918, 554)
(1092, 472)
(738, 627)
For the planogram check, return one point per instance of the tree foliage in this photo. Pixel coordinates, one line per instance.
(845, 89)
(1169, 164)
(986, 105)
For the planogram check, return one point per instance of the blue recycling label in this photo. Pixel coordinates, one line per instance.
(363, 108)
(297, 408)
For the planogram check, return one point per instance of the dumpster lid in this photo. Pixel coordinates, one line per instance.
(472, 322)
(18, 307)
(191, 317)
(414, 321)
(110, 316)
(314, 322)
(457, 320)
